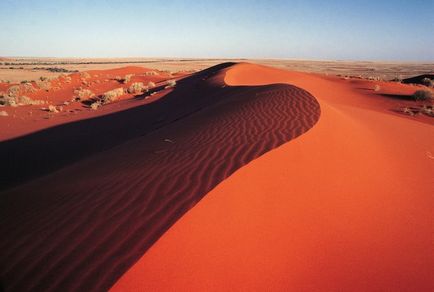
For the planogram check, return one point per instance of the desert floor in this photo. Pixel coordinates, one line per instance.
(19, 69)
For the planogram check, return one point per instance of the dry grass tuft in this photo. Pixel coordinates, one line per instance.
(127, 78)
(407, 111)
(43, 83)
(52, 109)
(14, 90)
(28, 88)
(85, 75)
(377, 88)
(15, 101)
(428, 82)
(3, 114)
(171, 83)
(112, 95)
(83, 94)
(95, 105)
(423, 95)
(151, 73)
(137, 88)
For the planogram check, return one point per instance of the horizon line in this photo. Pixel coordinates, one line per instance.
(226, 58)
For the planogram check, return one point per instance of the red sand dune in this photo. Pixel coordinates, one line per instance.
(102, 198)
(348, 206)
(107, 188)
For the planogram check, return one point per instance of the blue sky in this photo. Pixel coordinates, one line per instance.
(308, 29)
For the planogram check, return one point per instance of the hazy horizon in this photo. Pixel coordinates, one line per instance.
(295, 30)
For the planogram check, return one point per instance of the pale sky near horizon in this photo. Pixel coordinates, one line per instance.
(301, 29)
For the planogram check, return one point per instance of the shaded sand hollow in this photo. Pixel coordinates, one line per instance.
(347, 206)
(88, 198)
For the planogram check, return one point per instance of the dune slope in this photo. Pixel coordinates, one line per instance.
(83, 226)
(347, 206)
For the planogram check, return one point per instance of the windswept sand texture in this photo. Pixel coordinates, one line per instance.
(240, 177)
(81, 228)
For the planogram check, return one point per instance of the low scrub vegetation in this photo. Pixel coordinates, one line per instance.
(428, 82)
(112, 95)
(84, 75)
(95, 105)
(66, 78)
(18, 101)
(151, 73)
(397, 79)
(14, 90)
(125, 79)
(171, 83)
(28, 87)
(83, 94)
(137, 88)
(43, 83)
(52, 109)
(423, 95)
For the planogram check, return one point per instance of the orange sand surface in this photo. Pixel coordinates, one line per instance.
(81, 202)
(347, 206)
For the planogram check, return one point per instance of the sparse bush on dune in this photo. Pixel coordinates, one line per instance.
(112, 95)
(374, 78)
(28, 88)
(8, 101)
(151, 84)
(13, 97)
(84, 75)
(125, 79)
(377, 87)
(168, 72)
(24, 100)
(151, 73)
(137, 88)
(43, 83)
(423, 95)
(83, 94)
(407, 111)
(18, 101)
(428, 110)
(65, 77)
(95, 105)
(128, 77)
(14, 90)
(397, 79)
(428, 82)
(171, 83)
(52, 109)
(3, 114)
